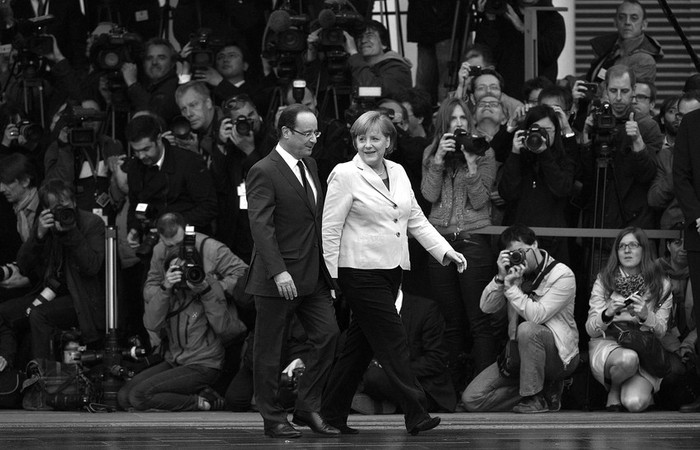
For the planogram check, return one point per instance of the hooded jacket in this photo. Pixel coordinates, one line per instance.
(392, 72)
(642, 59)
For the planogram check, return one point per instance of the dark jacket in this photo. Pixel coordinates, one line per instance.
(81, 252)
(686, 176)
(286, 227)
(157, 96)
(642, 59)
(182, 185)
(392, 73)
(424, 329)
(8, 346)
(508, 47)
(430, 21)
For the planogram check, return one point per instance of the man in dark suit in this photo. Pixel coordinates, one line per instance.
(287, 274)
(686, 186)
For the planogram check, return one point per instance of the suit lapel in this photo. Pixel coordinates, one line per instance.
(291, 178)
(373, 179)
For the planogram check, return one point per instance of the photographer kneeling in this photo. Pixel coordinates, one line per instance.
(539, 293)
(185, 298)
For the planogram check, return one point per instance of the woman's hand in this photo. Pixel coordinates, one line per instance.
(518, 141)
(637, 307)
(446, 145)
(457, 258)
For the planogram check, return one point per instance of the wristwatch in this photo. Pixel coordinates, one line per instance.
(497, 280)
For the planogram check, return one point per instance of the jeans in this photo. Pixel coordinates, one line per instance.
(432, 72)
(167, 386)
(458, 295)
(539, 362)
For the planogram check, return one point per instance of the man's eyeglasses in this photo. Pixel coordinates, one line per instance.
(492, 105)
(307, 134)
(634, 245)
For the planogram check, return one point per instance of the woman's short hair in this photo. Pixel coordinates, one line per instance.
(17, 166)
(374, 25)
(374, 120)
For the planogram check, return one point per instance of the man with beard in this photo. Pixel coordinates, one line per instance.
(661, 193)
(633, 145)
(155, 92)
(644, 98)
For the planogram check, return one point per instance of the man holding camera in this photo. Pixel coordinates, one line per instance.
(166, 178)
(186, 305)
(630, 144)
(539, 294)
(156, 92)
(64, 258)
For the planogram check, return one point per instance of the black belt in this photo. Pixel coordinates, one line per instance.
(457, 236)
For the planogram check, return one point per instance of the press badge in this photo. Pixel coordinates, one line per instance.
(242, 200)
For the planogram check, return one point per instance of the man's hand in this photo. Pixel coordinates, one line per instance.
(173, 275)
(46, 222)
(285, 285)
(133, 238)
(210, 75)
(130, 73)
(190, 144)
(11, 134)
(55, 55)
(16, 280)
(296, 364)
(632, 130)
(350, 45)
(697, 224)
(514, 277)
(514, 18)
(245, 142)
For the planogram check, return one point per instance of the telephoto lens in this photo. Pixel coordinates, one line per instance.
(5, 272)
(243, 126)
(535, 137)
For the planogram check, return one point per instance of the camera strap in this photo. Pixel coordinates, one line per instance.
(528, 288)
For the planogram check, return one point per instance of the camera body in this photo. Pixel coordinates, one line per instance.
(204, 49)
(190, 259)
(475, 71)
(181, 127)
(28, 130)
(65, 215)
(516, 257)
(243, 125)
(476, 145)
(365, 99)
(535, 137)
(286, 41)
(147, 216)
(605, 130)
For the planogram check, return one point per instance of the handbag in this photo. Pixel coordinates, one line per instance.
(651, 353)
(509, 360)
(11, 388)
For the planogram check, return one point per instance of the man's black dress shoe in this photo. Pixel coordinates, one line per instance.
(282, 430)
(344, 428)
(425, 425)
(314, 421)
(691, 407)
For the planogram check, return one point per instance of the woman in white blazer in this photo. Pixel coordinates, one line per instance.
(369, 210)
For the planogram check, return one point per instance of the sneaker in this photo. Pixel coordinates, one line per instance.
(216, 401)
(532, 405)
(552, 394)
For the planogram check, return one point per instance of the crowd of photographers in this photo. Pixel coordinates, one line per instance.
(159, 142)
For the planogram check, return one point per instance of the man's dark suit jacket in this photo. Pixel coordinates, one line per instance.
(286, 228)
(686, 176)
(424, 327)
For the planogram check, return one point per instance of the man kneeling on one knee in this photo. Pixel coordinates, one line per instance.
(539, 295)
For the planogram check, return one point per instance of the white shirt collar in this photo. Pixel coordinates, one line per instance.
(288, 157)
(159, 164)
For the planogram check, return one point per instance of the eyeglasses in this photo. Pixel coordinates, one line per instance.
(634, 245)
(492, 105)
(307, 134)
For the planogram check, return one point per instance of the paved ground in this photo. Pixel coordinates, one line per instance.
(564, 430)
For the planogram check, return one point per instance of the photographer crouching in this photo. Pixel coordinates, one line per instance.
(185, 303)
(64, 259)
(539, 294)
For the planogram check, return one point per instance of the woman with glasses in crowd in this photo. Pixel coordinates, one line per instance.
(457, 180)
(632, 291)
(368, 213)
(538, 178)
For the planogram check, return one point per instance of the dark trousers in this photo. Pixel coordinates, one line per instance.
(378, 386)
(43, 321)
(459, 295)
(694, 269)
(167, 386)
(375, 330)
(274, 314)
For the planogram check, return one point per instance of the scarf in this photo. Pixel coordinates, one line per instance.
(627, 285)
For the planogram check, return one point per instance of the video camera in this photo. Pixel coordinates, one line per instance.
(111, 50)
(365, 99)
(285, 40)
(204, 49)
(605, 128)
(32, 45)
(334, 20)
(74, 118)
(190, 259)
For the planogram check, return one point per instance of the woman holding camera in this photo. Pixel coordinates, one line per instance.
(369, 210)
(458, 175)
(631, 291)
(538, 177)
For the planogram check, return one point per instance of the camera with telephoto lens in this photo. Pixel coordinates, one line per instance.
(516, 257)
(535, 137)
(190, 259)
(474, 144)
(65, 215)
(243, 125)
(204, 49)
(30, 131)
(147, 216)
(181, 128)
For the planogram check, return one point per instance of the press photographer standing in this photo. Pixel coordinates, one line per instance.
(63, 258)
(185, 304)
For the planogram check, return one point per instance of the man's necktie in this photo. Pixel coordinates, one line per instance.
(307, 188)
